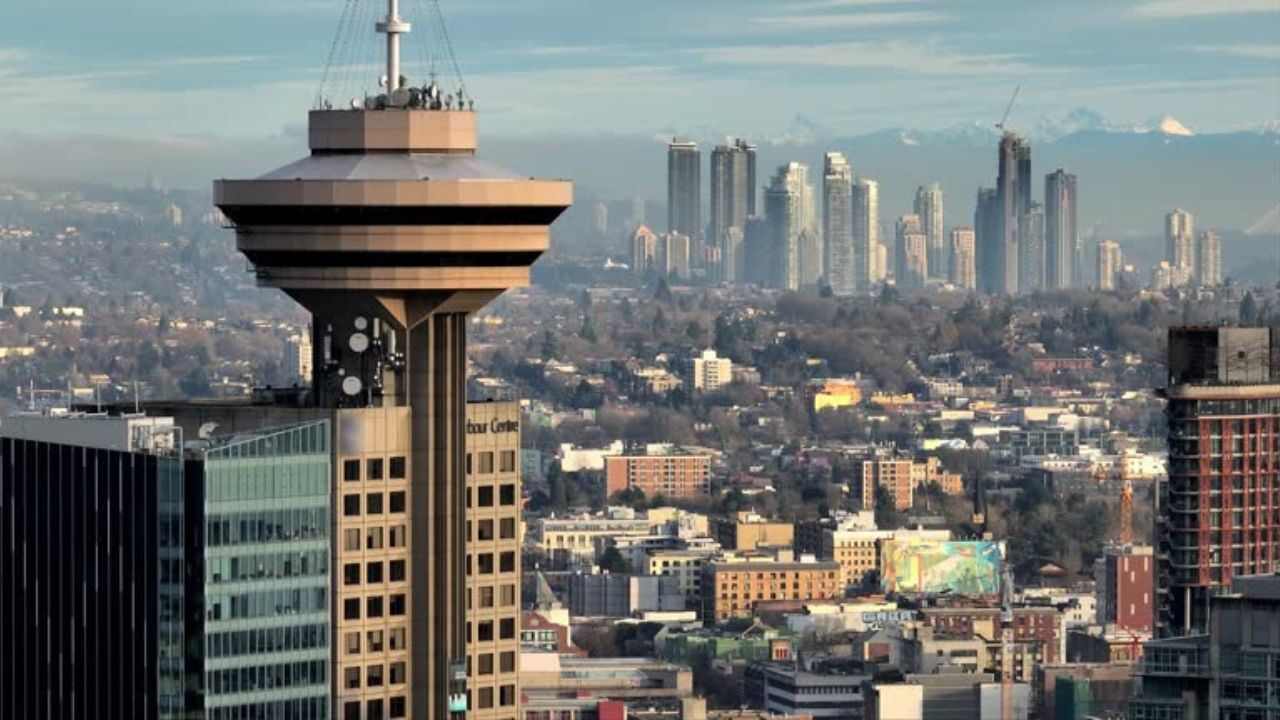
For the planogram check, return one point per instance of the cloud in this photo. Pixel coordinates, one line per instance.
(1196, 8)
(846, 21)
(834, 4)
(1252, 52)
(925, 58)
(562, 50)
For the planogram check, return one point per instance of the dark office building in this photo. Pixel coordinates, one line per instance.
(80, 565)
(986, 224)
(684, 193)
(1219, 508)
(138, 583)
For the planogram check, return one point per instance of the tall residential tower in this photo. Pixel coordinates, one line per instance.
(866, 234)
(928, 206)
(733, 170)
(837, 224)
(1217, 508)
(684, 191)
(1061, 232)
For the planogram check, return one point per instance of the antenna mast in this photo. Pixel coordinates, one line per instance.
(393, 27)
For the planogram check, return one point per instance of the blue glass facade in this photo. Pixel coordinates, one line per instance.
(266, 518)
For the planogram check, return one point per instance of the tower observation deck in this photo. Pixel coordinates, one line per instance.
(390, 232)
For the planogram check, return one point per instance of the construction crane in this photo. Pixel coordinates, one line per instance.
(1009, 109)
(1006, 645)
(1126, 513)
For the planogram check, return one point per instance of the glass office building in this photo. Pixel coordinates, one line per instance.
(140, 582)
(266, 574)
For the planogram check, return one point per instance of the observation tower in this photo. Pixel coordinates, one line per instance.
(390, 233)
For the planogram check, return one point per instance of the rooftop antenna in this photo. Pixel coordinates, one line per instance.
(137, 404)
(393, 27)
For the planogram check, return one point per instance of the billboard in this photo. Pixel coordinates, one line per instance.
(963, 567)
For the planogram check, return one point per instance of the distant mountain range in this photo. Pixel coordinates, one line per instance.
(1129, 176)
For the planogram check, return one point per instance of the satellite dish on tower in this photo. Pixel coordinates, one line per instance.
(352, 386)
(361, 323)
(358, 343)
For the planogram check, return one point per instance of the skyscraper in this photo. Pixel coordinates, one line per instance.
(928, 206)
(144, 580)
(732, 185)
(986, 225)
(809, 245)
(493, 559)
(1031, 250)
(1180, 240)
(1110, 261)
(390, 233)
(784, 211)
(837, 224)
(600, 219)
(911, 255)
(1013, 192)
(1061, 234)
(644, 251)
(684, 191)
(1209, 259)
(866, 233)
(1216, 510)
(757, 252)
(963, 270)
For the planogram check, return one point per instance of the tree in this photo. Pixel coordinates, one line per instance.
(1248, 310)
(663, 292)
(559, 500)
(631, 497)
(550, 347)
(659, 321)
(195, 383)
(612, 561)
(887, 515)
(588, 332)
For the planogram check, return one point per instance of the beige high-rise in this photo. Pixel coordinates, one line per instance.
(390, 233)
(493, 559)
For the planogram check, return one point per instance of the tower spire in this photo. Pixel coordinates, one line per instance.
(393, 27)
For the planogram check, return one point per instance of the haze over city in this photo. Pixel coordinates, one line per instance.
(566, 360)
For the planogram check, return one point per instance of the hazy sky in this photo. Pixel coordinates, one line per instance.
(147, 69)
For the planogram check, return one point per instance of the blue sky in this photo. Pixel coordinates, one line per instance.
(152, 69)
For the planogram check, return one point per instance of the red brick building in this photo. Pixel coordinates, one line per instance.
(1126, 588)
(668, 475)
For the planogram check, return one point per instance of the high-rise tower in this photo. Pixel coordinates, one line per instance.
(732, 187)
(990, 250)
(390, 233)
(1013, 192)
(1031, 249)
(684, 191)
(1180, 239)
(1209, 259)
(928, 206)
(866, 233)
(837, 223)
(963, 271)
(1109, 261)
(1216, 513)
(1061, 233)
(784, 212)
(910, 258)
